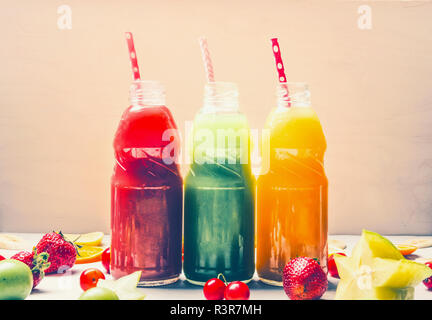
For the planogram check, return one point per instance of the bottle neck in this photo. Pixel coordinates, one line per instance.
(293, 94)
(147, 93)
(220, 97)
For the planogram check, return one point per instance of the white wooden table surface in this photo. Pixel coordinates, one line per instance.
(66, 286)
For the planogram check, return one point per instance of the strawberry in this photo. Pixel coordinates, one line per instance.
(62, 253)
(304, 279)
(37, 263)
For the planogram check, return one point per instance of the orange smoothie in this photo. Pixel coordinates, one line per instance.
(292, 193)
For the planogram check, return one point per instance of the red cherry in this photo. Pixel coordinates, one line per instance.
(106, 258)
(2, 258)
(331, 265)
(214, 289)
(428, 281)
(90, 277)
(237, 290)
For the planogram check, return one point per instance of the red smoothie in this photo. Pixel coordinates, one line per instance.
(146, 191)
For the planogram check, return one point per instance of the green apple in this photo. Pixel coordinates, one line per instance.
(16, 280)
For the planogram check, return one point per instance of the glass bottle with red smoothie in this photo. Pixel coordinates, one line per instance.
(146, 190)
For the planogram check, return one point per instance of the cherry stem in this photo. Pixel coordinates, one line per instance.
(223, 277)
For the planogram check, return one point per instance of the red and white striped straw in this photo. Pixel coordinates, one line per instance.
(280, 68)
(132, 56)
(208, 65)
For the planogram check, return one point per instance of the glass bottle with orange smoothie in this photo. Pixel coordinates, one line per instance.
(292, 192)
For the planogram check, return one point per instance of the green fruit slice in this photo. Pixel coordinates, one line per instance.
(377, 270)
(398, 273)
(394, 294)
(373, 245)
(125, 287)
(350, 291)
(345, 266)
(97, 293)
(16, 280)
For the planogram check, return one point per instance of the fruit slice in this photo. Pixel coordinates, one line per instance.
(386, 279)
(377, 270)
(125, 287)
(98, 294)
(332, 250)
(398, 273)
(345, 267)
(86, 239)
(406, 249)
(337, 244)
(331, 265)
(350, 291)
(428, 282)
(373, 245)
(394, 294)
(419, 243)
(88, 254)
(11, 242)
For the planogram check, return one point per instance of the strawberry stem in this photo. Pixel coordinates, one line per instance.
(40, 261)
(77, 238)
(77, 246)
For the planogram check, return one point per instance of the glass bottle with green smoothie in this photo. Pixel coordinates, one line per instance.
(219, 191)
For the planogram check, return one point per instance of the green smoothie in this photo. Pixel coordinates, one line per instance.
(219, 196)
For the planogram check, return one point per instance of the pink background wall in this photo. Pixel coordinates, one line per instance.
(62, 93)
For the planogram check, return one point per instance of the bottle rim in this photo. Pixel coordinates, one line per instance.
(298, 94)
(147, 93)
(220, 96)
